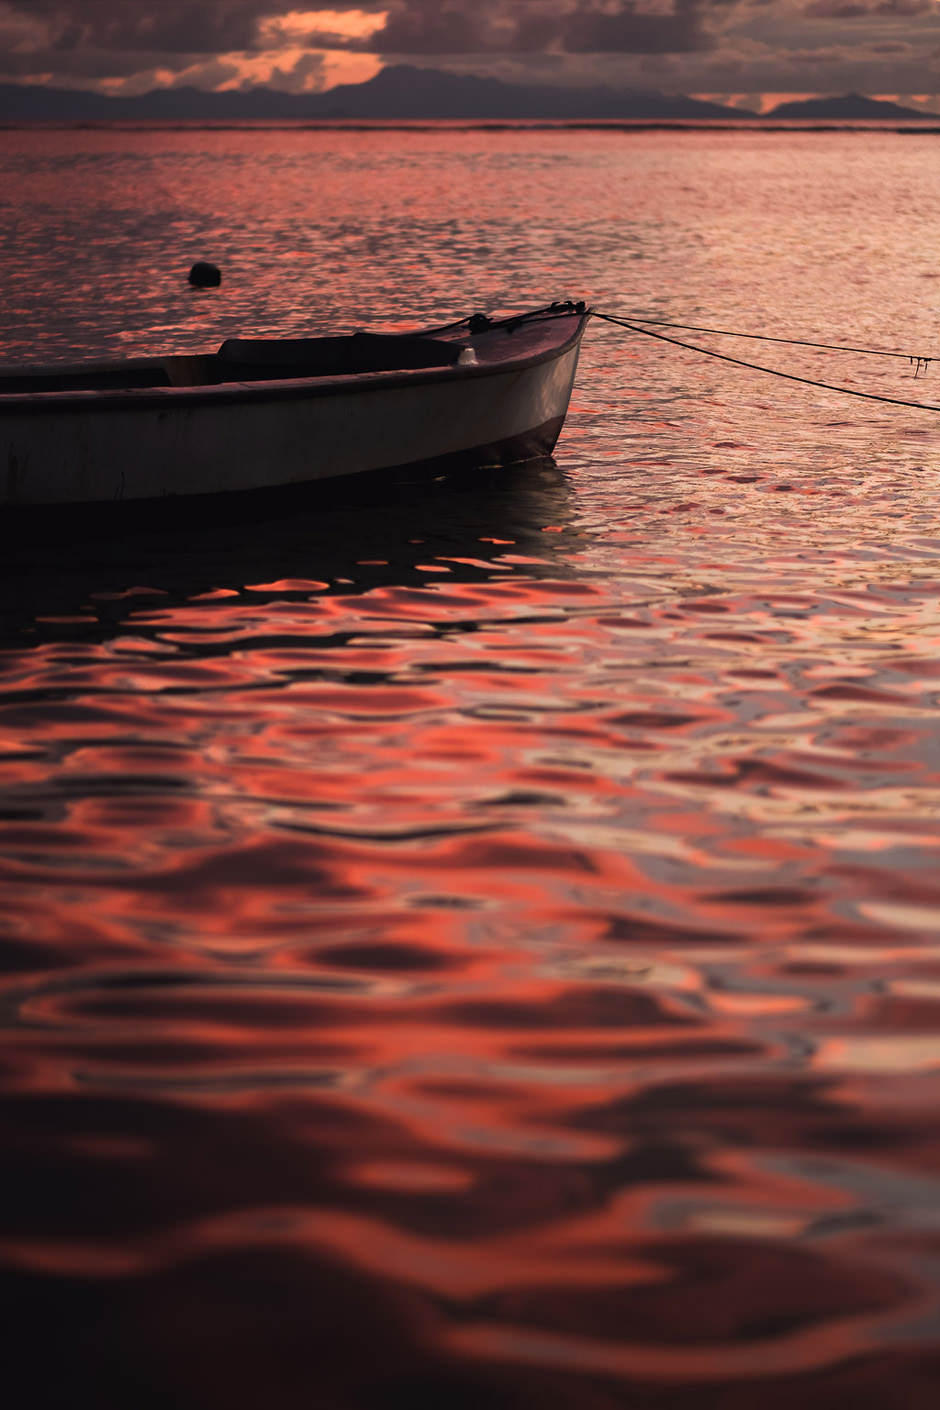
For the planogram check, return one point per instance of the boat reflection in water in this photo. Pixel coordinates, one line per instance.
(359, 535)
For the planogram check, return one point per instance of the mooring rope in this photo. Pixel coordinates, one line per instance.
(758, 367)
(644, 326)
(916, 359)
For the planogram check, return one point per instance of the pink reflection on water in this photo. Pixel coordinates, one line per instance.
(496, 928)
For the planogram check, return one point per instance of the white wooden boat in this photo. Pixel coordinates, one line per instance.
(276, 415)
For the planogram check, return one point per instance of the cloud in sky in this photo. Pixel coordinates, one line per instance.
(703, 46)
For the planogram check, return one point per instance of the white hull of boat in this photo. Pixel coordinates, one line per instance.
(84, 448)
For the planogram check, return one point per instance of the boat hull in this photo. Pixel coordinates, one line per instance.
(241, 439)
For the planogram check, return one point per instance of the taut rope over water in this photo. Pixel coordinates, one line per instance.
(633, 327)
(919, 361)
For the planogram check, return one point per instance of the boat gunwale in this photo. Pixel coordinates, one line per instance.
(168, 399)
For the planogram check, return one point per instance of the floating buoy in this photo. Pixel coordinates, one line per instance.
(205, 276)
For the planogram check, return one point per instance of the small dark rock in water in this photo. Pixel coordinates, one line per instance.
(205, 276)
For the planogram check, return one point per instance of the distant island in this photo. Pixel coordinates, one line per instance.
(853, 107)
(406, 93)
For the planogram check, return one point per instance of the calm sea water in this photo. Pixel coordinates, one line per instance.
(483, 948)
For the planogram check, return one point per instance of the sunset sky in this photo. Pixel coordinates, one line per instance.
(735, 49)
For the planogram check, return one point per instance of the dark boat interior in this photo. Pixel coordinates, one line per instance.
(247, 360)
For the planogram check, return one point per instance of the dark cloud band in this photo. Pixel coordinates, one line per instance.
(210, 27)
(706, 46)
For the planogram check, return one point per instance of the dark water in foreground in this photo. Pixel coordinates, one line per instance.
(483, 948)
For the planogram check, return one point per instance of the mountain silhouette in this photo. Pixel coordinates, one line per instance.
(400, 92)
(852, 107)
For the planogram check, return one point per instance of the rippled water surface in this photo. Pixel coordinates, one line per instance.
(482, 947)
